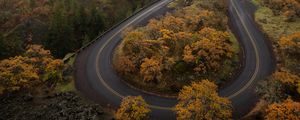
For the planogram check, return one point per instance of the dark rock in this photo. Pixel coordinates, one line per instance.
(60, 106)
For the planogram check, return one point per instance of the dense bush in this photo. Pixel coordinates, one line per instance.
(288, 8)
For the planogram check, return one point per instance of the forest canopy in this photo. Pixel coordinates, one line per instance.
(61, 26)
(191, 43)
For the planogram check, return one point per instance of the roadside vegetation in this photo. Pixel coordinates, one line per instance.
(189, 44)
(35, 85)
(280, 93)
(197, 101)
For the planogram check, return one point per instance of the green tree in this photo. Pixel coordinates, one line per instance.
(80, 21)
(10, 46)
(60, 36)
(96, 22)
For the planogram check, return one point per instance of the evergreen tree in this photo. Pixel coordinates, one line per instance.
(96, 23)
(60, 37)
(10, 47)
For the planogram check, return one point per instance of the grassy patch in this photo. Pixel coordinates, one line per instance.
(1, 90)
(275, 26)
(69, 60)
(256, 2)
(67, 87)
(236, 45)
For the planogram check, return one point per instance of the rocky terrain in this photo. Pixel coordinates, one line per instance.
(59, 106)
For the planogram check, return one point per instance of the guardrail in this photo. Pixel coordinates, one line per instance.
(108, 30)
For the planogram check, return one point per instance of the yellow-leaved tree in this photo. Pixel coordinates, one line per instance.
(210, 52)
(291, 44)
(290, 80)
(16, 73)
(200, 101)
(35, 68)
(124, 65)
(132, 108)
(288, 110)
(151, 69)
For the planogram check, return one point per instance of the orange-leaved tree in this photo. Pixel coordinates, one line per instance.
(36, 67)
(201, 101)
(291, 44)
(151, 69)
(132, 108)
(16, 73)
(288, 110)
(208, 54)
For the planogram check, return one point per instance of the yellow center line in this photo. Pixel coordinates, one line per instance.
(106, 43)
(256, 55)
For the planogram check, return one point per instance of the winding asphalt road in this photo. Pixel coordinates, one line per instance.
(96, 78)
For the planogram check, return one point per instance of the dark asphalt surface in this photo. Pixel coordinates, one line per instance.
(96, 78)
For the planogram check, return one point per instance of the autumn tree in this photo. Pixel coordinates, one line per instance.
(291, 81)
(49, 68)
(279, 86)
(54, 73)
(197, 18)
(132, 45)
(208, 53)
(182, 46)
(201, 101)
(132, 108)
(151, 69)
(124, 65)
(291, 44)
(290, 16)
(172, 23)
(289, 8)
(17, 73)
(173, 43)
(38, 56)
(35, 68)
(272, 90)
(288, 110)
(214, 5)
